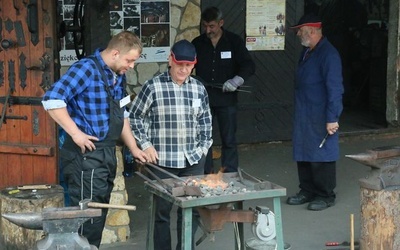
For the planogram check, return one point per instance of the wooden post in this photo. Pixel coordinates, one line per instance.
(26, 200)
(380, 220)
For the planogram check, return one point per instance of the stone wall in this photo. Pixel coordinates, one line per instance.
(117, 223)
(185, 21)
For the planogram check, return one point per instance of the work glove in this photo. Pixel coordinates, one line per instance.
(232, 84)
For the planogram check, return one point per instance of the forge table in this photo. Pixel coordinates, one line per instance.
(257, 191)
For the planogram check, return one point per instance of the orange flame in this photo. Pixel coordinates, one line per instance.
(212, 181)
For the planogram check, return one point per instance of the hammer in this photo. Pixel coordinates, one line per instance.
(86, 203)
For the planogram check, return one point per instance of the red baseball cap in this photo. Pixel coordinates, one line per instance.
(184, 52)
(308, 20)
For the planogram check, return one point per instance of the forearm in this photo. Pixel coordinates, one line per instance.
(205, 132)
(62, 118)
(127, 136)
(130, 142)
(139, 133)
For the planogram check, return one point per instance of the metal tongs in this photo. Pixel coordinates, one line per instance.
(251, 181)
(180, 190)
(220, 85)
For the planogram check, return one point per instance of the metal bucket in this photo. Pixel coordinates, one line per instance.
(256, 244)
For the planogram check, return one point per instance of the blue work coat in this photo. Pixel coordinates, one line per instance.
(318, 101)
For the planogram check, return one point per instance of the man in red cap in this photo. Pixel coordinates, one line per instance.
(171, 121)
(318, 105)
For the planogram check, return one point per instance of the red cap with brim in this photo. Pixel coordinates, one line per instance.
(310, 20)
(189, 61)
(316, 25)
(183, 52)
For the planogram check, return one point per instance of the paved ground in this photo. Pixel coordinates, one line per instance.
(303, 229)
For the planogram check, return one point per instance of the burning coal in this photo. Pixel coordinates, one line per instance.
(215, 185)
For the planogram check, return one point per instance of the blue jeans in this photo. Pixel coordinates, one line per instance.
(226, 118)
(162, 235)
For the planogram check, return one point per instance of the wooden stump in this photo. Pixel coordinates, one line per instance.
(21, 200)
(380, 220)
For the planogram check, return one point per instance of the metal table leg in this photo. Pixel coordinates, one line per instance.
(186, 228)
(240, 227)
(278, 223)
(150, 226)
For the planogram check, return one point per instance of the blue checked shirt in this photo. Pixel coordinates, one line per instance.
(82, 91)
(175, 119)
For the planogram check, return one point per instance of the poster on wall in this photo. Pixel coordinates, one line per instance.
(265, 24)
(150, 20)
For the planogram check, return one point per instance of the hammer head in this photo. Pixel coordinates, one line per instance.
(84, 204)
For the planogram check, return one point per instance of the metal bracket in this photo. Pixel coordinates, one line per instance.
(1, 73)
(21, 100)
(11, 75)
(16, 7)
(14, 117)
(19, 31)
(44, 63)
(22, 70)
(1, 29)
(33, 21)
(35, 122)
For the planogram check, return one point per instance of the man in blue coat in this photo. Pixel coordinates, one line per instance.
(318, 105)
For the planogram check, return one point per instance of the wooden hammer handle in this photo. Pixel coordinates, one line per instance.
(104, 205)
(32, 187)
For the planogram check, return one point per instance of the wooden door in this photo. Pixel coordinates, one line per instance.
(28, 52)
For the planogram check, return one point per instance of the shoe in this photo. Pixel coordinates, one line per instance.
(298, 199)
(318, 205)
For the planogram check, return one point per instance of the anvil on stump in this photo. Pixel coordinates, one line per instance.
(380, 198)
(385, 167)
(60, 225)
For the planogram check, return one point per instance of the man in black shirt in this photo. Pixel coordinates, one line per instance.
(223, 64)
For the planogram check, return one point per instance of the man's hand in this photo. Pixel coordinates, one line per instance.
(84, 141)
(151, 154)
(228, 86)
(332, 128)
(232, 84)
(139, 155)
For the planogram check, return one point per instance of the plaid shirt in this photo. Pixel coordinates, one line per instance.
(175, 119)
(82, 91)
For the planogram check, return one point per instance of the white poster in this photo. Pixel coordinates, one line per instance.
(150, 20)
(265, 24)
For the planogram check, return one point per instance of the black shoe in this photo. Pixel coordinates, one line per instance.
(318, 205)
(298, 199)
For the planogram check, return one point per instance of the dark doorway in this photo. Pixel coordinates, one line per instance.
(358, 29)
